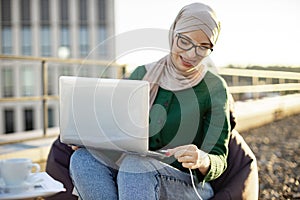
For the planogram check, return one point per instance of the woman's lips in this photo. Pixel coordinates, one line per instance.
(186, 63)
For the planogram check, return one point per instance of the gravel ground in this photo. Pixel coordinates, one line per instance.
(277, 149)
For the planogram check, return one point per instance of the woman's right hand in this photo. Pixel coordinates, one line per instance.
(74, 147)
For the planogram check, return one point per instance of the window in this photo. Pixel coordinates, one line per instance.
(83, 11)
(25, 12)
(45, 41)
(101, 11)
(64, 21)
(50, 117)
(9, 121)
(83, 28)
(26, 40)
(7, 82)
(102, 28)
(6, 40)
(64, 36)
(65, 71)
(50, 80)
(6, 35)
(83, 41)
(45, 34)
(64, 39)
(28, 119)
(6, 12)
(28, 82)
(102, 35)
(64, 11)
(45, 12)
(25, 27)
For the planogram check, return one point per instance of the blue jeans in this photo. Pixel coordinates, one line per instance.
(136, 177)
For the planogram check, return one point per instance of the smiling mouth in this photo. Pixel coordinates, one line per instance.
(186, 63)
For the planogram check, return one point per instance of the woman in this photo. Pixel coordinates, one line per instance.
(189, 118)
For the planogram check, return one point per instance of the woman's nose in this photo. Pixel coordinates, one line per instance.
(191, 53)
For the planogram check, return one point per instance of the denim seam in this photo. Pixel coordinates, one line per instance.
(80, 197)
(171, 178)
(157, 187)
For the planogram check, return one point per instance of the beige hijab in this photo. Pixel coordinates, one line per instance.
(164, 73)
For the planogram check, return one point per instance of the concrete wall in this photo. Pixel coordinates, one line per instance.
(254, 113)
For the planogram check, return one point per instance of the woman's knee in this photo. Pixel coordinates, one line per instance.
(78, 158)
(79, 154)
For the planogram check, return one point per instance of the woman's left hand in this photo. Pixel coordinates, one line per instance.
(191, 157)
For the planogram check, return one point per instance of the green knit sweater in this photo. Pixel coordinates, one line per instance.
(199, 116)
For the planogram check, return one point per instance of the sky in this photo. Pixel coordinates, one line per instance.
(253, 32)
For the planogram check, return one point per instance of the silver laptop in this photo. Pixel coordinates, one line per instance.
(102, 113)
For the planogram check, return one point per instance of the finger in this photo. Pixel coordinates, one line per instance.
(186, 159)
(181, 153)
(170, 152)
(175, 150)
(182, 150)
(186, 152)
(189, 165)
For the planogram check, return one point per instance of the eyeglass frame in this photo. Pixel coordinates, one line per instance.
(179, 35)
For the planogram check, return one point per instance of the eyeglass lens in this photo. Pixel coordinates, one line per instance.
(186, 44)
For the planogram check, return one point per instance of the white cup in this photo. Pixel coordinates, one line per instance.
(16, 171)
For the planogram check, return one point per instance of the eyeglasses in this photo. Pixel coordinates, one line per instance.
(186, 44)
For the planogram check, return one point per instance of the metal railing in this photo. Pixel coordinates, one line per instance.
(256, 87)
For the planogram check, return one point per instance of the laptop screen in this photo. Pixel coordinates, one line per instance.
(104, 113)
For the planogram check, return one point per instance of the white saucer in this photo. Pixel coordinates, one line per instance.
(40, 185)
(28, 184)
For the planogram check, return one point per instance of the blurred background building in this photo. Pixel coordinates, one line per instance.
(48, 28)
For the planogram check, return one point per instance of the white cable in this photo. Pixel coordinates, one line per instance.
(192, 178)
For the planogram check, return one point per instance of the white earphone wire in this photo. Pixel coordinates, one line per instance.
(193, 183)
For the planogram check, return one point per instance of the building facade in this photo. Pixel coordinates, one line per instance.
(49, 28)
